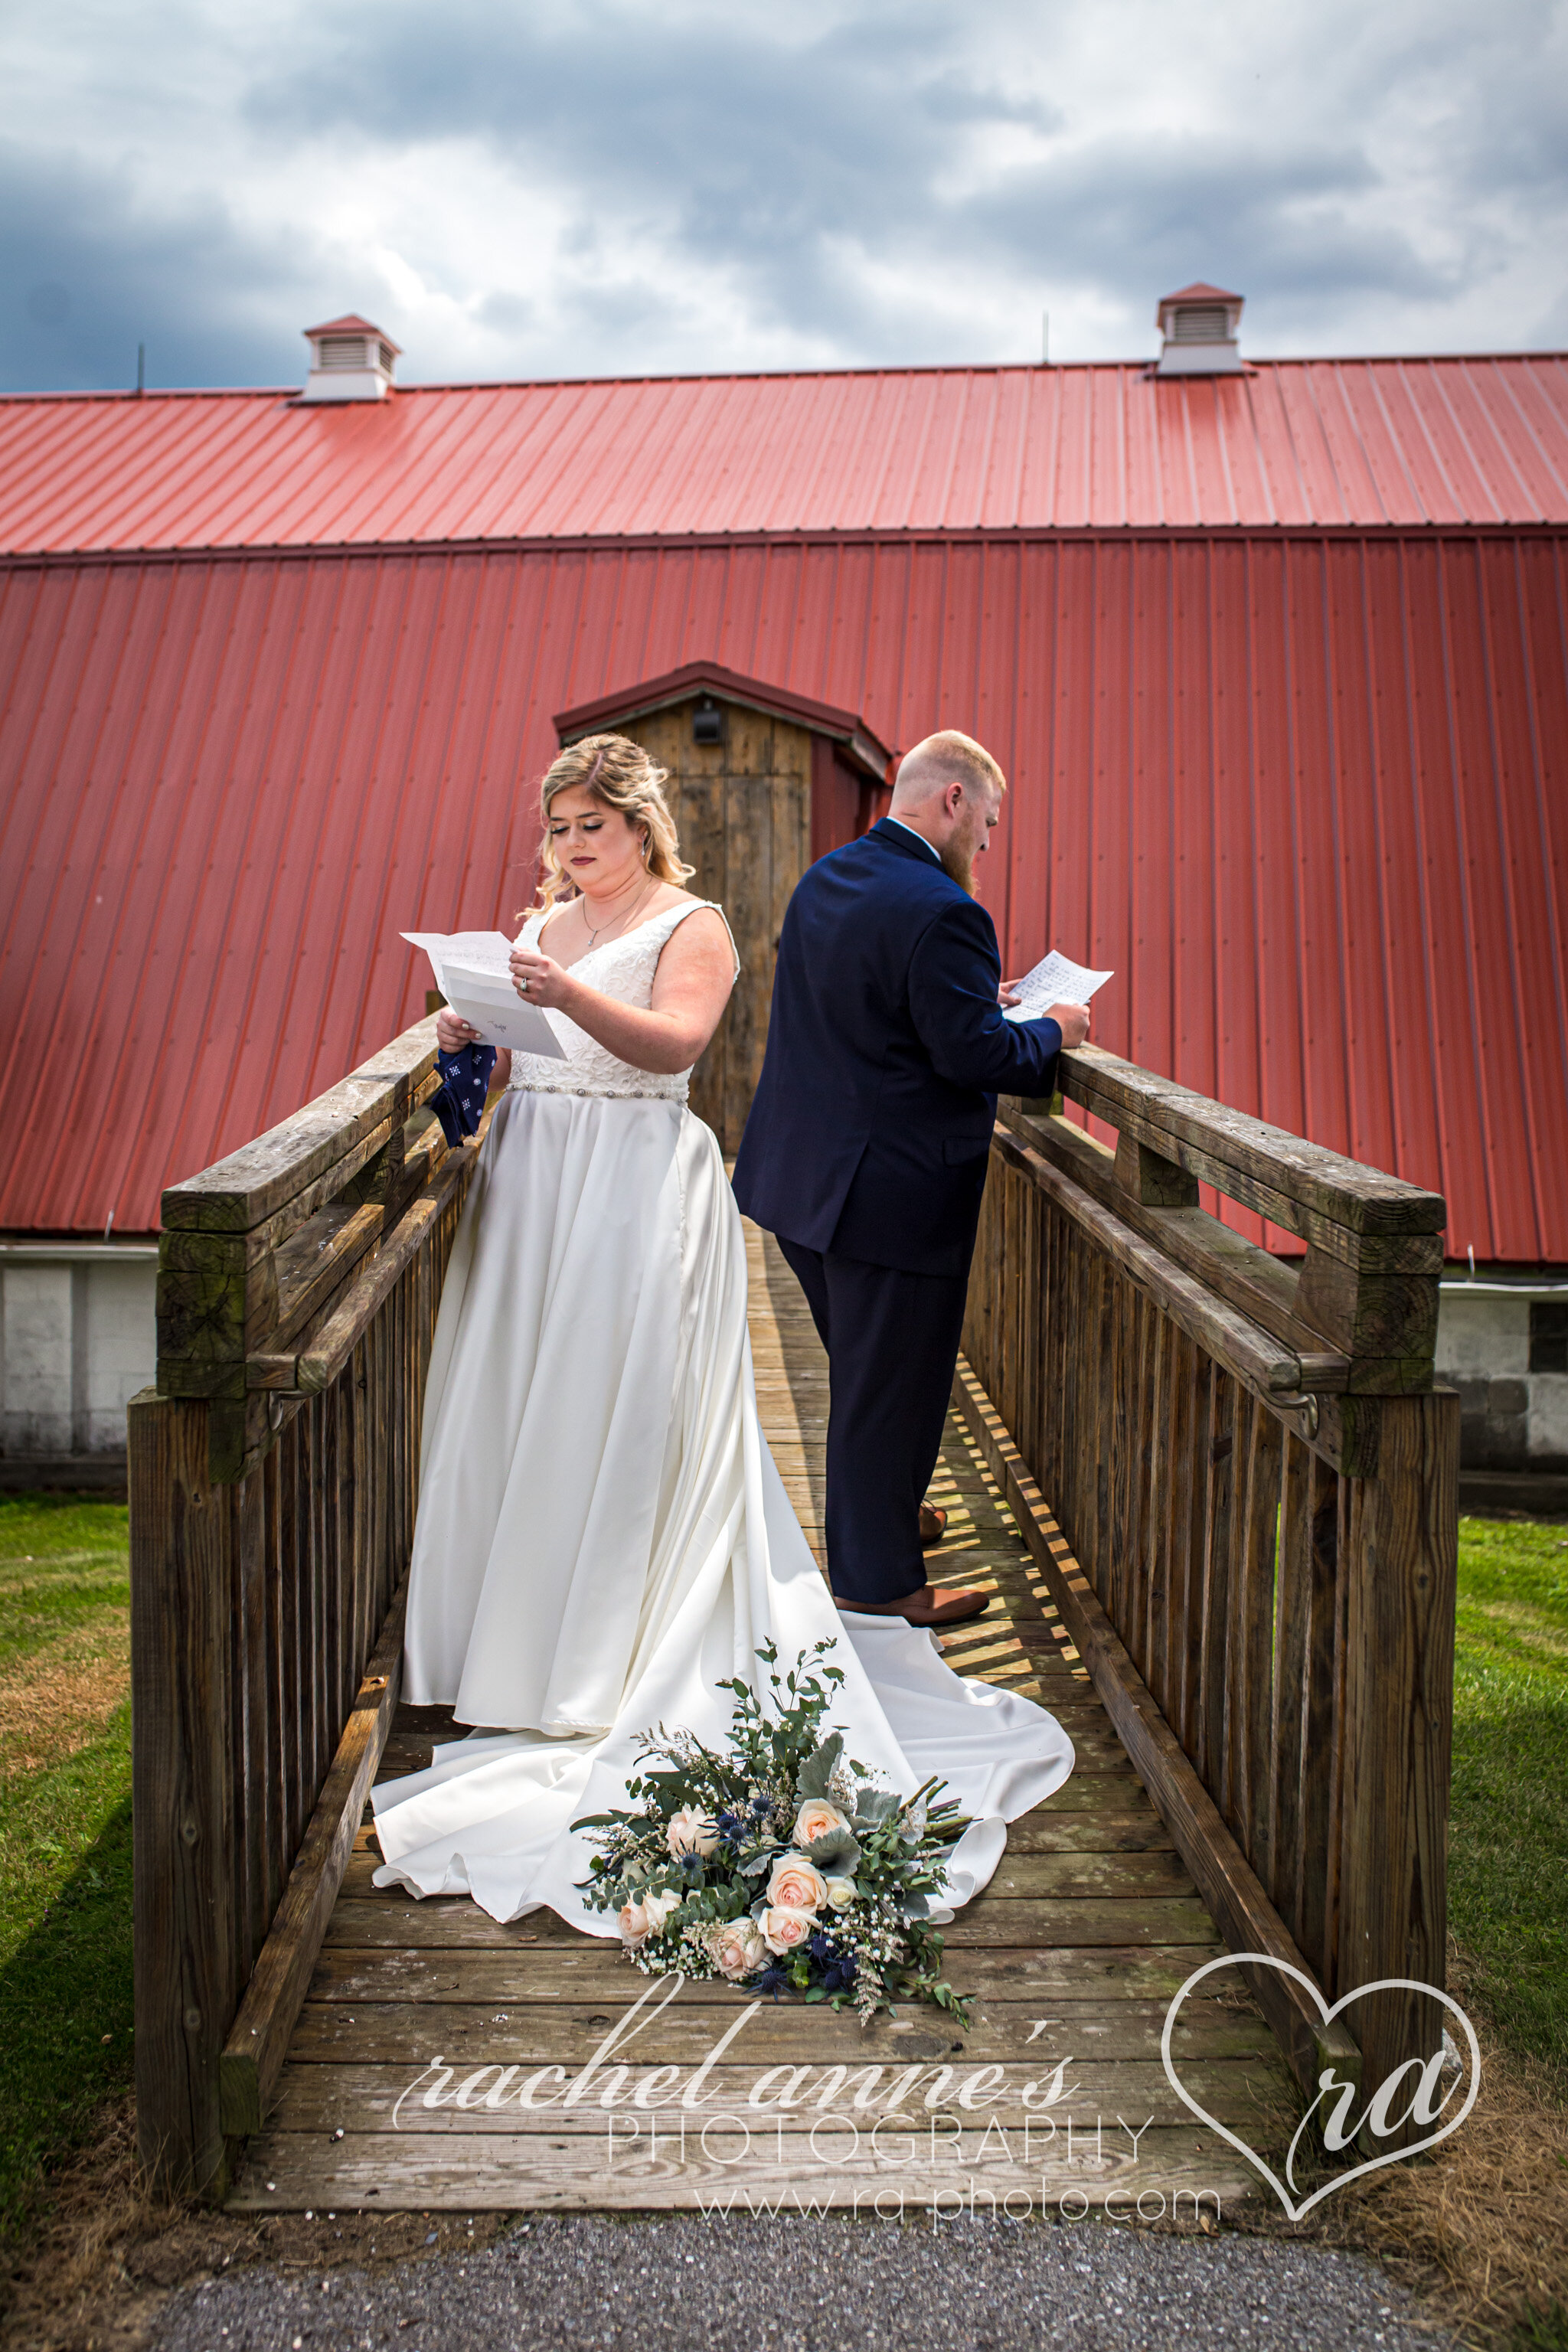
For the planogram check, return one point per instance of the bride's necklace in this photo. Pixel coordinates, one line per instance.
(640, 902)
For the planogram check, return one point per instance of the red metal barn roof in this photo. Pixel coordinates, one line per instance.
(1340, 442)
(1303, 790)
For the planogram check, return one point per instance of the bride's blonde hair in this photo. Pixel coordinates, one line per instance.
(620, 773)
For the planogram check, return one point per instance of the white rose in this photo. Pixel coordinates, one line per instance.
(633, 1923)
(785, 1927)
(738, 1950)
(840, 1893)
(657, 1910)
(690, 1831)
(816, 1818)
(796, 1883)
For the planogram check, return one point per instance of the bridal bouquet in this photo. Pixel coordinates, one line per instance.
(778, 1865)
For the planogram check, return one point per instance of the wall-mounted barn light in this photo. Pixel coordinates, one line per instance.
(707, 722)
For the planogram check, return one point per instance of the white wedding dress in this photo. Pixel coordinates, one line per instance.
(602, 1535)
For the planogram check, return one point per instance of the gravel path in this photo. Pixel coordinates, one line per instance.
(639, 2284)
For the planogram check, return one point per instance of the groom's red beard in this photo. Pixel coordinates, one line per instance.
(959, 861)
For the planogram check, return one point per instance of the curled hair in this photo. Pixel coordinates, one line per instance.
(619, 773)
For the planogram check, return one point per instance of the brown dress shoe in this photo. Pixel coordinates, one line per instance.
(933, 1526)
(925, 1606)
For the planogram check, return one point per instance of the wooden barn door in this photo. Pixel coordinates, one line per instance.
(743, 809)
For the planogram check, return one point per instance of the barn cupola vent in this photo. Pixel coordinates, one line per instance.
(350, 359)
(1199, 327)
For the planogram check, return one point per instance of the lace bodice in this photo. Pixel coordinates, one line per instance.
(623, 969)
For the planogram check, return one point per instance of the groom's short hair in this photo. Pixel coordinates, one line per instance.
(948, 758)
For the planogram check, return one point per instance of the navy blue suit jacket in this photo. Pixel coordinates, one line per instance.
(887, 1049)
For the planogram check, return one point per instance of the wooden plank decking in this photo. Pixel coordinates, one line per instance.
(1088, 1928)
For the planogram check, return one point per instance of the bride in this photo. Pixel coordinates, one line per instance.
(602, 1536)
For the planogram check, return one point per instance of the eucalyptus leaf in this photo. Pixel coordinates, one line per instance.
(838, 1851)
(819, 1767)
(874, 1806)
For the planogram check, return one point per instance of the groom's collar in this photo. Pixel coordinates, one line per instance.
(900, 835)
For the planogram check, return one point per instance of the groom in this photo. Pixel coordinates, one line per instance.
(867, 1142)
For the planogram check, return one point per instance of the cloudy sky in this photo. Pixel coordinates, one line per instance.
(582, 186)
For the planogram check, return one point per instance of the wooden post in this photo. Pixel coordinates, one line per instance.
(1152, 1179)
(181, 1791)
(1401, 1571)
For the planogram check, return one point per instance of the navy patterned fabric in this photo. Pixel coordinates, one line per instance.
(458, 1103)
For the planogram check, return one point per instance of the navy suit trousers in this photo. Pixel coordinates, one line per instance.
(892, 1344)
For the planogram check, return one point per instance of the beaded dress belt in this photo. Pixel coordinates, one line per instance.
(598, 1094)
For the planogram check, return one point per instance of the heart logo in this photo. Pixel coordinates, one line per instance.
(1373, 2164)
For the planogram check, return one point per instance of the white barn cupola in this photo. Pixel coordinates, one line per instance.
(1199, 326)
(350, 359)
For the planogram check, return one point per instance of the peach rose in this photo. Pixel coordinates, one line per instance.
(797, 1883)
(840, 1893)
(785, 1927)
(738, 1950)
(690, 1831)
(633, 1923)
(815, 1818)
(658, 1910)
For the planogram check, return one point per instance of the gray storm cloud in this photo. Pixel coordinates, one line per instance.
(605, 186)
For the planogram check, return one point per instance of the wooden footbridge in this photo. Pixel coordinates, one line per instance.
(1238, 1599)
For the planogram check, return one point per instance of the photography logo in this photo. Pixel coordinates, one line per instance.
(1414, 2093)
(918, 2126)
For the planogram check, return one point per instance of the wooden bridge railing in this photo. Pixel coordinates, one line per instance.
(273, 1472)
(1258, 1482)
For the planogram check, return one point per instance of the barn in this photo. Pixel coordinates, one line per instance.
(1274, 652)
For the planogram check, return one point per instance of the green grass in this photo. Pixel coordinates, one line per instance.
(1507, 1839)
(1541, 2329)
(65, 1832)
